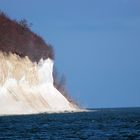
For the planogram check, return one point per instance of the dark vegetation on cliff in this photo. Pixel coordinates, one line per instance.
(16, 37)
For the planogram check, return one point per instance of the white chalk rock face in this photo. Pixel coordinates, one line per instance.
(27, 87)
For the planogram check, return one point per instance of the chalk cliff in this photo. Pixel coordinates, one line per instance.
(26, 72)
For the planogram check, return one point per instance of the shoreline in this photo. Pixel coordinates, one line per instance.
(47, 112)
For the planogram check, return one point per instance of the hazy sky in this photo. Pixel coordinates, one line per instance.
(97, 45)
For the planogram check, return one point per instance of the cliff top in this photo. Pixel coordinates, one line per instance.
(17, 37)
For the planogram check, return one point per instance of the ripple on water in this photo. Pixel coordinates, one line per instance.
(102, 124)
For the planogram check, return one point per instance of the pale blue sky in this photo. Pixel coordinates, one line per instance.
(97, 45)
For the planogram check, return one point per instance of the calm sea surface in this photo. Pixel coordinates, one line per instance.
(103, 124)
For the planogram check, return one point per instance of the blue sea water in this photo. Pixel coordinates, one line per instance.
(102, 124)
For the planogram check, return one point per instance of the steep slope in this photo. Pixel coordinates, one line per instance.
(26, 72)
(27, 87)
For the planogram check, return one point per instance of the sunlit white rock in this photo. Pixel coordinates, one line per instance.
(27, 87)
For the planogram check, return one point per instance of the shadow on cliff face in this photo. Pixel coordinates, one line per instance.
(17, 38)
